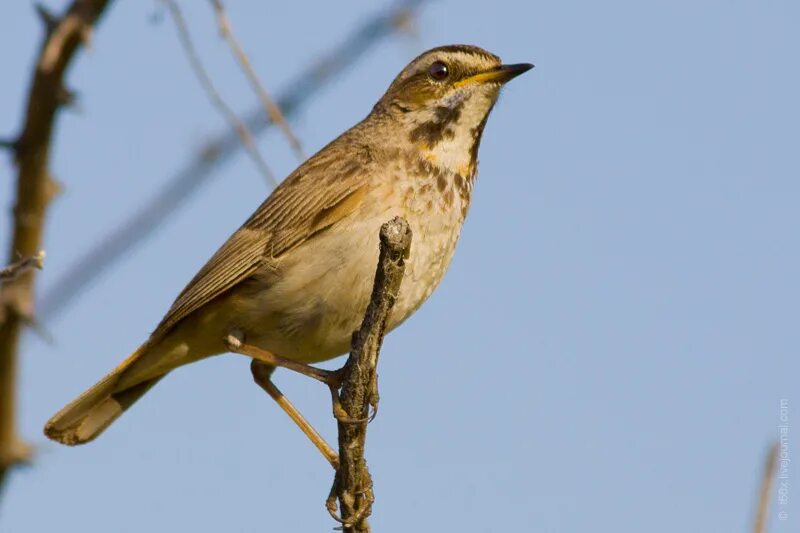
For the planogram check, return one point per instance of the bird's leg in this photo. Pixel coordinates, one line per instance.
(262, 375)
(261, 367)
(332, 378)
(235, 342)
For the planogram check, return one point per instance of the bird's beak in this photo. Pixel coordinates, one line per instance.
(501, 74)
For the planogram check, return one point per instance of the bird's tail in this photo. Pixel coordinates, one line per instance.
(88, 415)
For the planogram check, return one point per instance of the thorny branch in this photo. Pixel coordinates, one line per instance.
(219, 151)
(272, 109)
(238, 126)
(35, 188)
(353, 484)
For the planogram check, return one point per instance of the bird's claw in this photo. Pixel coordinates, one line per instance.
(374, 397)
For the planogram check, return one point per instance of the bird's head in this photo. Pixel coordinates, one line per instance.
(443, 98)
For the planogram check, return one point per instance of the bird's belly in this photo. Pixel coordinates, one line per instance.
(314, 300)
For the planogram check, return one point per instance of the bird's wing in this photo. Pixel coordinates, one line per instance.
(319, 193)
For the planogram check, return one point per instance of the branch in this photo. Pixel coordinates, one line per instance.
(353, 483)
(219, 151)
(237, 125)
(768, 480)
(16, 269)
(274, 112)
(35, 188)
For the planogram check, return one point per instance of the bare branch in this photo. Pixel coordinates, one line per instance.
(220, 150)
(353, 483)
(767, 482)
(274, 112)
(63, 36)
(16, 269)
(237, 125)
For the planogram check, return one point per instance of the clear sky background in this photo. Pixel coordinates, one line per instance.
(607, 352)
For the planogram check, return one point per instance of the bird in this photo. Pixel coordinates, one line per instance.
(294, 280)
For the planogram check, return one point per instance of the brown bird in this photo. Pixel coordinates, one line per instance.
(295, 279)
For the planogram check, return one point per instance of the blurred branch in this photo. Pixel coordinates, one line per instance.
(767, 482)
(16, 269)
(270, 107)
(353, 483)
(236, 123)
(179, 189)
(35, 188)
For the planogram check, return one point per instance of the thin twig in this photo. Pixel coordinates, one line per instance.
(63, 37)
(16, 269)
(237, 125)
(272, 109)
(219, 151)
(767, 482)
(353, 483)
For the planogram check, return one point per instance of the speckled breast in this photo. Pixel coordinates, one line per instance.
(435, 202)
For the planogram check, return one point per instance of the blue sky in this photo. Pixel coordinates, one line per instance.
(607, 352)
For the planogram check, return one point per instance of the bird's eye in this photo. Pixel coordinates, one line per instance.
(438, 71)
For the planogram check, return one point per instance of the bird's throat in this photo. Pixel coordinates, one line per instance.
(448, 136)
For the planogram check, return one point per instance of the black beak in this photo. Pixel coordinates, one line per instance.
(501, 74)
(506, 73)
